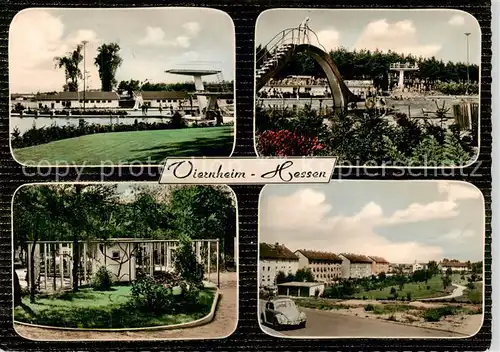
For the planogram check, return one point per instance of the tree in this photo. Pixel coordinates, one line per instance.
(108, 60)
(432, 267)
(33, 211)
(70, 63)
(382, 276)
(85, 209)
(446, 279)
(304, 275)
(280, 277)
(204, 212)
(129, 86)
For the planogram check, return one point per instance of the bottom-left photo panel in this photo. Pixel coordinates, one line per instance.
(124, 261)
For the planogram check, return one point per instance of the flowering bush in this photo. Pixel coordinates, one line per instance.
(287, 143)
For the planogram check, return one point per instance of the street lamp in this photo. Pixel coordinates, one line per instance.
(84, 72)
(467, 67)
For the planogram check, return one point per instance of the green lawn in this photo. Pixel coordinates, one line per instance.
(127, 147)
(418, 291)
(106, 309)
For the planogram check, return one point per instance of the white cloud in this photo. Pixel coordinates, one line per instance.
(155, 36)
(32, 49)
(192, 28)
(303, 219)
(400, 36)
(456, 20)
(329, 39)
(457, 190)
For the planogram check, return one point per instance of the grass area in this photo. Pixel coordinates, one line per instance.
(319, 303)
(433, 288)
(127, 147)
(105, 309)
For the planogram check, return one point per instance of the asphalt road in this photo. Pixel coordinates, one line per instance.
(330, 324)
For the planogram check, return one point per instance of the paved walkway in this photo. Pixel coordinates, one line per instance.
(457, 292)
(223, 325)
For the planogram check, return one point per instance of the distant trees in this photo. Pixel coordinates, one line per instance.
(108, 60)
(70, 63)
(374, 65)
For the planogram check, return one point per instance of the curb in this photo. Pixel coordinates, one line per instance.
(202, 321)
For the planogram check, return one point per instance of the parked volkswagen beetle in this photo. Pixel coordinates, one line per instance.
(282, 312)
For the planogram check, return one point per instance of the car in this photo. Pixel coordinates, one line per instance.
(283, 312)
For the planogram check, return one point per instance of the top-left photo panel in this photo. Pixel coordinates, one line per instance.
(120, 86)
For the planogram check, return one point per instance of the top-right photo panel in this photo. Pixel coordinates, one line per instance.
(371, 87)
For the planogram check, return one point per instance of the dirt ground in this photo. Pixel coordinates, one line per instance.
(223, 325)
(462, 323)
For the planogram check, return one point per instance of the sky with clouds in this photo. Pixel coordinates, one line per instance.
(151, 40)
(426, 33)
(402, 221)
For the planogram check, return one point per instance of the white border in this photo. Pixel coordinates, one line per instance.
(375, 337)
(221, 296)
(173, 8)
(333, 11)
(495, 224)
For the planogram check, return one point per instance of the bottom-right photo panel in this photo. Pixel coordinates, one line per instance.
(371, 259)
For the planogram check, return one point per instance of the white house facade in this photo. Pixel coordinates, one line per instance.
(274, 258)
(356, 266)
(326, 267)
(75, 100)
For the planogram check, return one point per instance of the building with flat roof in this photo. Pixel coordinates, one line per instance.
(301, 289)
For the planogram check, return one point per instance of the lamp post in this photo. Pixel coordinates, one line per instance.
(467, 67)
(84, 72)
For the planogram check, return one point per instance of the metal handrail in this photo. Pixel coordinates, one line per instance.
(284, 37)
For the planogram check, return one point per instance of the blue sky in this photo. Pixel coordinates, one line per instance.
(403, 221)
(421, 32)
(152, 40)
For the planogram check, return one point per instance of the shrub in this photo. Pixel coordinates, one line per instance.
(151, 296)
(187, 266)
(287, 143)
(408, 296)
(102, 280)
(435, 314)
(369, 308)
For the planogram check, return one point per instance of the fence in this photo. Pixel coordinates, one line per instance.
(124, 258)
(466, 115)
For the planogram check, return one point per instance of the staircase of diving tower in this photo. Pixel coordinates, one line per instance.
(274, 58)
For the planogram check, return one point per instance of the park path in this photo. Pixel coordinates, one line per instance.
(457, 292)
(223, 325)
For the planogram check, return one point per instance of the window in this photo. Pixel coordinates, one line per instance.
(164, 101)
(268, 268)
(57, 101)
(109, 101)
(115, 255)
(81, 100)
(91, 101)
(158, 101)
(263, 268)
